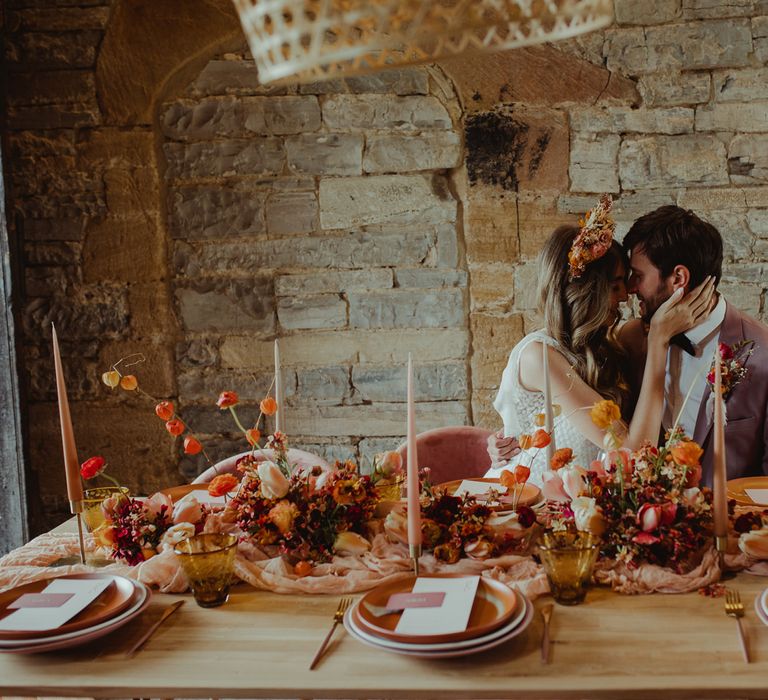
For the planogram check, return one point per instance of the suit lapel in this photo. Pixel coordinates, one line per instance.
(731, 332)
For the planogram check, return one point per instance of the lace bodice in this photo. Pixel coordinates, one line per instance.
(518, 408)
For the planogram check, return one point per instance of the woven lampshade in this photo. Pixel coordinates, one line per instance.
(307, 40)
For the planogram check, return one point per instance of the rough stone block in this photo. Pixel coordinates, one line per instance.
(58, 253)
(447, 246)
(645, 12)
(291, 213)
(151, 308)
(211, 305)
(348, 347)
(757, 220)
(617, 120)
(431, 382)
(324, 385)
(745, 297)
(672, 88)
(235, 77)
(492, 286)
(742, 85)
(406, 81)
(593, 163)
(368, 448)
(257, 156)
(723, 198)
(325, 154)
(407, 309)
(200, 384)
(45, 50)
(338, 449)
(315, 311)
(333, 281)
(730, 117)
(691, 46)
(285, 115)
(760, 38)
(197, 352)
(526, 286)
(491, 226)
(493, 338)
(748, 159)
(716, 9)
(58, 19)
(397, 153)
(53, 229)
(375, 420)
(738, 240)
(384, 199)
(430, 279)
(203, 212)
(384, 112)
(672, 161)
(760, 249)
(54, 116)
(353, 250)
(52, 87)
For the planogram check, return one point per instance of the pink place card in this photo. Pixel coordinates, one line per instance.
(401, 601)
(451, 616)
(40, 600)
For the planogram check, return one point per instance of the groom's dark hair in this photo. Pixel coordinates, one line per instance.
(672, 236)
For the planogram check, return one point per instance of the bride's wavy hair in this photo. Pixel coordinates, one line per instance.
(577, 313)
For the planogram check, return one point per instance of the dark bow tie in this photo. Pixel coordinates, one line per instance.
(684, 342)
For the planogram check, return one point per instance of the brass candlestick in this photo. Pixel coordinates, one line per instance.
(415, 552)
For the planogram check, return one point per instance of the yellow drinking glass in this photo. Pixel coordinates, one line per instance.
(95, 522)
(208, 561)
(568, 558)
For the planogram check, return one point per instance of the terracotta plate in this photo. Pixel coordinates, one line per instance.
(530, 494)
(481, 644)
(112, 601)
(494, 606)
(736, 489)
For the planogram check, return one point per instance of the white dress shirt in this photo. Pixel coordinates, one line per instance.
(685, 371)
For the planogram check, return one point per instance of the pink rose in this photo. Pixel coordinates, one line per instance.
(597, 466)
(273, 481)
(155, 502)
(187, 510)
(479, 549)
(574, 483)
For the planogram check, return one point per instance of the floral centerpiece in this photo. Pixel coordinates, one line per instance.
(646, 505)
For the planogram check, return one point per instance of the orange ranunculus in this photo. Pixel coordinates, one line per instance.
(541, 438)
(605, 413)
(507, 479)
(561, 457)
(93, 466)
(268, 406)
(687, 453)
(522, 473)
(227, 399)
(253, 436)
(192, 445)
(164, 410)
(525, 441)
(222, 484)
(175, 427)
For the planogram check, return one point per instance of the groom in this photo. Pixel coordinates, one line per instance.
(670, 248)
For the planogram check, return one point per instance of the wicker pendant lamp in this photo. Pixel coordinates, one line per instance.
(307, 40)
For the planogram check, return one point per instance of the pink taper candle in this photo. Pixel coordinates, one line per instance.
(280, 415)
(71, 465)
(549, 420)
(719, 498)
(414, 508)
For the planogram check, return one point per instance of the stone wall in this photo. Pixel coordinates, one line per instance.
(165, 203)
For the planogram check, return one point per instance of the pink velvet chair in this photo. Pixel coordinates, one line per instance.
(456, 452)
(298, 458)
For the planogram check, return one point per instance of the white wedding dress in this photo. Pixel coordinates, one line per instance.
(518, 408)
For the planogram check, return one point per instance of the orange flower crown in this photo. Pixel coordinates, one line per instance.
(594, 238)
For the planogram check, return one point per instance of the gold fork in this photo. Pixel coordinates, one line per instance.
(338, 616)
(735, 608)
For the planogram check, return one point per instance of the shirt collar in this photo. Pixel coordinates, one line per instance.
(709, 325)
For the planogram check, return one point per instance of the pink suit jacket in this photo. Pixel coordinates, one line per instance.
(746, 431)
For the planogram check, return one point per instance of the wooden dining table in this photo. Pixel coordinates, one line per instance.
(260, 644)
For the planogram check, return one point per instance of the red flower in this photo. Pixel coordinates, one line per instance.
(726, 351)
(93, 466)
(227, 399)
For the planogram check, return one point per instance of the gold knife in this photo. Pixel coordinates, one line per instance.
(546, 615)
(166, 614)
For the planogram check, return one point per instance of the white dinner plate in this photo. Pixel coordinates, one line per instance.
(480, 644)
(140, 601)
(761, 606)
(516, 619)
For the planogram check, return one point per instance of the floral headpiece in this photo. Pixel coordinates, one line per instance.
(594, 238)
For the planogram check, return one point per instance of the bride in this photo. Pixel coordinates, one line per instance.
(582, 276)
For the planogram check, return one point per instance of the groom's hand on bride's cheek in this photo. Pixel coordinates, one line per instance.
(501, 449)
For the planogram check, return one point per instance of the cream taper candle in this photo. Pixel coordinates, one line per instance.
(414, 507)
(280, 415)
(71, 464)
(719, 497)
